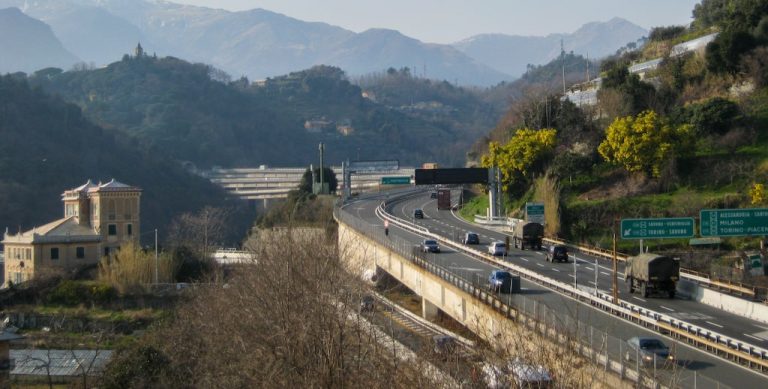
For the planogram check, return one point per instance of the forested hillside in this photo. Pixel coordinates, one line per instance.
(686, 135)
(48, 146)
(193, 112)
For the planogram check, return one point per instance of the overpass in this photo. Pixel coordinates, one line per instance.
(264, 183)
(453, 282)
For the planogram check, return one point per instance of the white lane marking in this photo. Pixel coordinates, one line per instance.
(524, 259)
(638, 298)
(714, 324)
(606, 273)
(755, 337)
(592, 282)
(539, 265)
(668, 309)
(556, 270)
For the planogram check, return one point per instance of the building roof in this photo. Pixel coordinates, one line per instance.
(61, 363)
(66, 230)
(114, 186)
(8, 336)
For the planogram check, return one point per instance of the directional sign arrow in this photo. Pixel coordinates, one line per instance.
(628, 232)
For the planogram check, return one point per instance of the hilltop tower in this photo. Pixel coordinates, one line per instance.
(138, 52)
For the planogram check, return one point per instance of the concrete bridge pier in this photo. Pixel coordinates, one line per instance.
(428, 310)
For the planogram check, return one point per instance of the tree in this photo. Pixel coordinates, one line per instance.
(329, 176)
(644, 143)
(518, 157)
(200, 231)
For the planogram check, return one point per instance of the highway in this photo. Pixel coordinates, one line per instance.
(562, 310)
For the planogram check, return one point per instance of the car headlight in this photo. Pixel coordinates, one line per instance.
(647, 357)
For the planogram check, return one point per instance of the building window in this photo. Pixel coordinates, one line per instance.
(17, 277)
(54, 253)
(129, 229)
(112, 229)
(80, 252)
(106, 251)
(111, 209)
(28, 254)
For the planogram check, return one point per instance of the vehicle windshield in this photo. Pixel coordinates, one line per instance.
(651, 344)
(500, 245)
(503, 274)
(560, 249)
(430, 242)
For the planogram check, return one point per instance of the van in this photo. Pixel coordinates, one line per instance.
(557, 252)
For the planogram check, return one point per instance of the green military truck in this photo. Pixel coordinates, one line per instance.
(528, 234)
(652, 273)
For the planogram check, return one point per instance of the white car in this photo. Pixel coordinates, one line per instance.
(497, 248)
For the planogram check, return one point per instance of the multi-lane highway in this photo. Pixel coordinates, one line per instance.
(692, 361)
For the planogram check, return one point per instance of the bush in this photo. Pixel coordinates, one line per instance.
(665, 33)
(72, 293)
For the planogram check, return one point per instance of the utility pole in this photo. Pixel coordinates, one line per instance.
(322, 148)
(156, 256)
(562, 61)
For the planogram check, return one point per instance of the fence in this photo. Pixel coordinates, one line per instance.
(594, 343)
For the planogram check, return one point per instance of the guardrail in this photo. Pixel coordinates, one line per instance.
(721, 345)
(537, 317)
(701, 278)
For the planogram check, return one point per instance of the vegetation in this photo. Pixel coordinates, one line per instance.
(49, 146)
(517, 157)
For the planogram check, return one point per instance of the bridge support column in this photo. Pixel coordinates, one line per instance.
(428, 310)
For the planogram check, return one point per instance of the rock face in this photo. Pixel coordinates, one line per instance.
(27, 44)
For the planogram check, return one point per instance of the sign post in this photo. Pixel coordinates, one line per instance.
(680, 227)
(734, 222)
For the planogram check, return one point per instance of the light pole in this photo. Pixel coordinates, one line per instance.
(156, 261)
(575, 285)
(596, 269)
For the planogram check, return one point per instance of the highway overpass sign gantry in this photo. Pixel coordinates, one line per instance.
(679, 227)
(734, 222)
(451, 176)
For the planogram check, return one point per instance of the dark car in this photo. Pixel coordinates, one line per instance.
(433, 195)
(500, 281)
(470, 238)
(649, 350)
(430, 246)
(557, 252)
(418, 214)
(366, 303)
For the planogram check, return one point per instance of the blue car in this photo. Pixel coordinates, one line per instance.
(500, 281)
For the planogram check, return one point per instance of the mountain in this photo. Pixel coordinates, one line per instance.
(28, 44)
(49, 146)
(178, 109)
(512, 54)
(256, 43)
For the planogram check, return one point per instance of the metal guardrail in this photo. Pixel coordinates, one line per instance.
(527, 312)
(701, 278)
(721, 345)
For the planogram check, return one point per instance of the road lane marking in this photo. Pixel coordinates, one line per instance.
(606, 273)
(714, 324)
(753, 337)
(668, 309)
(638, 298)
(556, 270)
(539, 265)
(524, 259)
(592, 282)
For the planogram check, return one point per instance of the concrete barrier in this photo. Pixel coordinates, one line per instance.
(735, 305)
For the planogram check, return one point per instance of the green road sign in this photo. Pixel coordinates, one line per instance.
(397, 180)
(534, 212)
(734, 222)
(678, 227)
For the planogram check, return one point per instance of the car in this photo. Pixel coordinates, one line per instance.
(557, 252)
(497, 248)
(430, 246)
(500, 281)
(433, 195)
(516, 373)
(418, 214)
(650, 350)
(470, 238)
(367, 303)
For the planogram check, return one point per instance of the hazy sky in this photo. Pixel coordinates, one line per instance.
(447, 21)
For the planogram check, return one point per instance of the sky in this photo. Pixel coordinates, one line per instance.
(449, 21)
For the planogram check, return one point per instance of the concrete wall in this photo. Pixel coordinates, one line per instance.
(362, 255)
(751, 310)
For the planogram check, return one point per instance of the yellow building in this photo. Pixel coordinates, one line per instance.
(98, 218)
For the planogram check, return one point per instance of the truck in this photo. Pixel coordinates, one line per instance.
(650, 272)
(528, 234)
(443, 199)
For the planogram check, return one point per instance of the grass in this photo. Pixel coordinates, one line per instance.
(146, 314)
